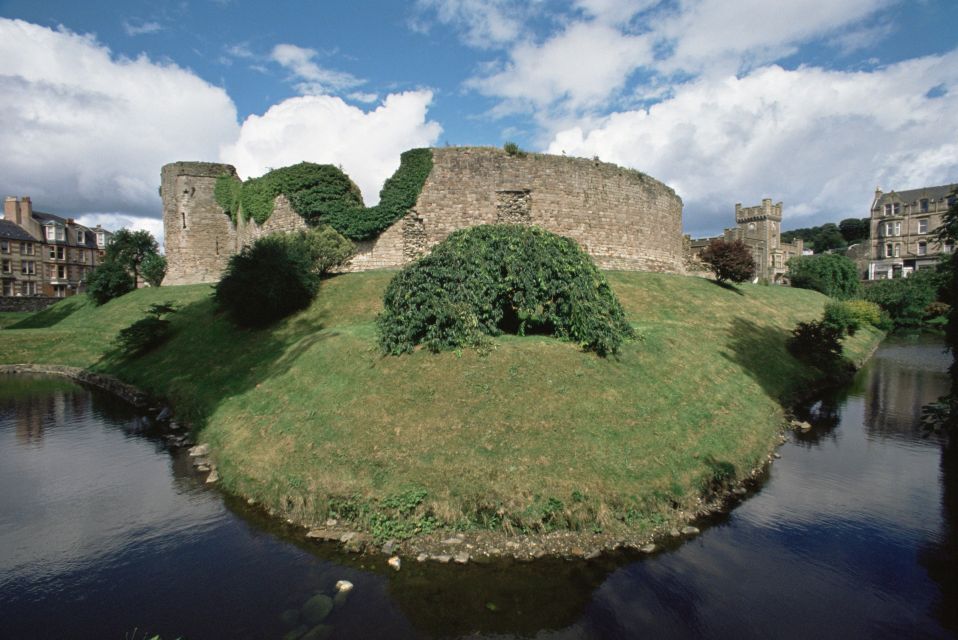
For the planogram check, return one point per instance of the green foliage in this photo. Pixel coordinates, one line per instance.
(130, 248)
(401, 517)
(840, 317)
(827, 236)
(817, 344)
(855, 229)
(863, 311)
(227, 192)
(512, 149)
(323, 194)
(154, 269)
(729, 260)
(491, 279)
(905, 299)
(109, 280)
(146, 333)
(834, 275)
(278, 274)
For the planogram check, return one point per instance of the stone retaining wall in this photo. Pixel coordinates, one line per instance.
(24, 303)
(127, 392)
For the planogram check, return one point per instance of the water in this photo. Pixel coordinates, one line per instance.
(105, 533)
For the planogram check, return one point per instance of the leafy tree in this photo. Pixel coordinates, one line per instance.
(278, 274)
(501, 278)
(823, 238)
(729, 260)
(154, 269)
(855, 229)
(109, 280)
(905, 299)
(834, 275)
(130, 248)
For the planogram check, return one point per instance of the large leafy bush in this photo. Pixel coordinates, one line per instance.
(491, 279)
(278, 274)
(109, 280)
(834, 275)
(905, 299)
(729, 260)
(323, 194)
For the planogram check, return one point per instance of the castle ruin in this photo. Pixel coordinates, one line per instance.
(622, 218)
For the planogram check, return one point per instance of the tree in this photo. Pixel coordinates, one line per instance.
(109, 280)
(278, 274)
(855, 229)
(729, 260)
(154, 269)
(130, 248)
(834, 275)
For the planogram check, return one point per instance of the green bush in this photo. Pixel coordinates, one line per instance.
(834, 275)
(729, 260)
(491, 279)
(512, 149)
(841, 318)
(153, 269)
(323, 194)
(109, 280)
(816, 343)
(905, 299)
(278, 274)
(864, 312)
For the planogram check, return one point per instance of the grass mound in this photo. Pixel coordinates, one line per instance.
(311, 420)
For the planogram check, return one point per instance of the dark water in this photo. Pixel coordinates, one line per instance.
(105, 533)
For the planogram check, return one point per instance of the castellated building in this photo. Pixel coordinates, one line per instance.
(623, 219)
(760, 229)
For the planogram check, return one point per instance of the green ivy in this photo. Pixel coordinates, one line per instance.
(323, 194)
(487, 280)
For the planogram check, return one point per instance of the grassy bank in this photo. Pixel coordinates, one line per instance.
(308, 418)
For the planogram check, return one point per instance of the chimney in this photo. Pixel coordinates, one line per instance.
(26, 211)
(11, 209)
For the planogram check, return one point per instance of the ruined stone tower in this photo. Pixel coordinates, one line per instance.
(200, 238)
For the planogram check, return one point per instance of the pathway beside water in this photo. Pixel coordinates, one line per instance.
(106, 533)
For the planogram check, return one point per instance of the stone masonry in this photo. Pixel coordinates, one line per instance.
(622, 218)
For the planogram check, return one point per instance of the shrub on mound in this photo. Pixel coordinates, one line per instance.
(494, 279)
(278, 274)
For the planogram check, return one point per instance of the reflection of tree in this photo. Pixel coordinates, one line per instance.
(940, 558)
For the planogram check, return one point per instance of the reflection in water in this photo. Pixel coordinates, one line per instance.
(103, 531)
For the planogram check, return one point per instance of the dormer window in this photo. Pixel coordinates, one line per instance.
(923, 205)
(81, 237)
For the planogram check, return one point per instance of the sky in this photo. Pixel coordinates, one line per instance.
(814, 103)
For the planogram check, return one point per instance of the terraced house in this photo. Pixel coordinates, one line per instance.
(42, 254)
(903, 225)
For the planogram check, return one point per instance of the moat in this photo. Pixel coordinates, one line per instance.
(107, 533)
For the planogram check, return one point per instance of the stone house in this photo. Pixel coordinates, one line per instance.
(43, 254)
(902, 234)
(760, 229)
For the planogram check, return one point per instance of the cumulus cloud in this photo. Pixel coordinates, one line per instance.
(820, 140)
(327, 130)
(114, 221)
(311, 78)
(576, 69)
(83, 130)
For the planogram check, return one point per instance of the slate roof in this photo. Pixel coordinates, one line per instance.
(913, 195)
(12, 231)
(89, 237)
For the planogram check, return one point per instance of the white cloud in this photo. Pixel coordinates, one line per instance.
(483, 23)
(325, 129)
(361, 96)
(578, 68)
(82, 130)
(819, 140)
(313, 79)
(614, 11)
(140, 27)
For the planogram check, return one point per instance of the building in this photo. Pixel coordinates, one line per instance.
(903, 225)
(760, 229)
(43, 254)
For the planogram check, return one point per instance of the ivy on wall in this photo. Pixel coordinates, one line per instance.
(323, 194)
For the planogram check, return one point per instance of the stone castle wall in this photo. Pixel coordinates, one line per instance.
(623, 219)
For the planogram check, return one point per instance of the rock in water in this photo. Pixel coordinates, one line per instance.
(690, 531)
(344, 585)
(395, 563)
(200, 450)
(317, 608)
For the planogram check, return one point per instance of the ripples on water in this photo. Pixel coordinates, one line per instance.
(103, 531)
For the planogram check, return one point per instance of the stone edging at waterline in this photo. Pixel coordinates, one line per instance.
(137, 397)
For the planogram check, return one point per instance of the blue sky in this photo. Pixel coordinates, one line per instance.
(812, 102)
